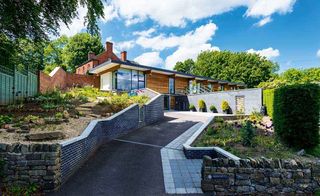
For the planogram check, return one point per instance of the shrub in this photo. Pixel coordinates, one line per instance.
(247, 133)
(58, 115)
(268, 97)
(210, 130)
(201, 104)
(256, 116)
(296, 115)
(30, 118)
(225, 106)
(213, 108)
(192, 107)
(4, 119)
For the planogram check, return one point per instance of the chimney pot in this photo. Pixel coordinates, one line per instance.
(124, 55)
(91, 55)
(109, 46)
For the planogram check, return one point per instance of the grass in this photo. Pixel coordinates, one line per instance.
(227, 135)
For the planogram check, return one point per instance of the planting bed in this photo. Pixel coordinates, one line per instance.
(56, 116)
(229, 135)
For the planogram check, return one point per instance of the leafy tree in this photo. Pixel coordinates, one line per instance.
(53, 54)
(76, 50)
(293, 76)
(38, 19)
(251, 69)
(186, 66)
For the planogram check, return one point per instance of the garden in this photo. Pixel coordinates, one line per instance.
(293, 134)
(57, 115)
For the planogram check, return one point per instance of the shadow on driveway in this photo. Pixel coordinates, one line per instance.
(128, 166)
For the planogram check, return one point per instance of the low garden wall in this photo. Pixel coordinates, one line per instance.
(31, 163)
(252, 99)
(259, 176)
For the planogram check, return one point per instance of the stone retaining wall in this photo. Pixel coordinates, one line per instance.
(259, 176)
(31, 163)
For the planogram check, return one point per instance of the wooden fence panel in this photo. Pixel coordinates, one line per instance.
(6, 95)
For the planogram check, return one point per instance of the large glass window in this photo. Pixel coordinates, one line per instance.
(124, 79)
(142, 80)
(135, 79)
(171, 85)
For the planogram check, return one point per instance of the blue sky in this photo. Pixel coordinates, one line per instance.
(160, 33)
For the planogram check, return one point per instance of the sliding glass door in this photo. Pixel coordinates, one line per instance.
(127, 79)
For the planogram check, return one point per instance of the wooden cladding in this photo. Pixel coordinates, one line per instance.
(181, 84)
(158, 82)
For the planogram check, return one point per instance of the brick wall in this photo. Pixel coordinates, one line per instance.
(259, 176)
(31, 163)
(59, 79)
(154, 110)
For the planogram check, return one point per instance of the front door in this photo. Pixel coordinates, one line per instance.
(166, 102)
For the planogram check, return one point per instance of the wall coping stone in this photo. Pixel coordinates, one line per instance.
(228, 91)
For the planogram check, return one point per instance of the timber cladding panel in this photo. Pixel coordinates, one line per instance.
(158, 82)
(181, 84)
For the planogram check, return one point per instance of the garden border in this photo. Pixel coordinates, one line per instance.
(198, 152)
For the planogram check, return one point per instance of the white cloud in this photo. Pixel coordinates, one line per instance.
(269, 53)
(188, 45)
(318, 53)
(150, 59)
(125, 45)
(263, 21)
(76, 25)
(146, 33)
(177, 13)
(199, 36)
(183, 53)
(110, 13)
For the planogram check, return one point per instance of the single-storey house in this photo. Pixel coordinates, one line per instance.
(121, 74)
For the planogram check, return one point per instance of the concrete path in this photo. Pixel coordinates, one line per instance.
(130, 165)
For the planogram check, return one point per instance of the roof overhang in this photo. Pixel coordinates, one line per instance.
(103, 67)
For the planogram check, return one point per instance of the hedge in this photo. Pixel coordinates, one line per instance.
(268, 97)
(296, 115)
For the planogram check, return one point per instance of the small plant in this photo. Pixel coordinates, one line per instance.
(30, 118)
(83, 99)
(202, 105)
(213, 109)
(256, 116)
(4, 119)
(218, 120)
(192, 107)
(225, 106)
(247, 133)
(31, 189)
(58, 115)
(210, 130)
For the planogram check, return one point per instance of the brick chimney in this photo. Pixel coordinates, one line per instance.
(109, 46)
(91, 55)
(124, 55)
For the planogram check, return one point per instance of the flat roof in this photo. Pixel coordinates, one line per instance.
(133, 65)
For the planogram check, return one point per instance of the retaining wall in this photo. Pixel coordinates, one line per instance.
(31, 163)
(252, 99)
(259, 176)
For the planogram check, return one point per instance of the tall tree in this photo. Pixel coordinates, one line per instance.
(250, 69)
(36, 19)
(53, 54)
(76, 50)
(293, 76)
(186, 66)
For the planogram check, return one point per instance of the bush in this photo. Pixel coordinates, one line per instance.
(192, 107)
(247, 133)
(213, 108)
(201, 104)
(4, 119)
(296, 115)
(268, 97)
(256, 116)
(225, 106)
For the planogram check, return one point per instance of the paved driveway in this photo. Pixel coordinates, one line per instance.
(130, 165)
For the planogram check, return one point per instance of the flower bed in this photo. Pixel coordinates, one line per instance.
(235, 137)
(58, 115)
